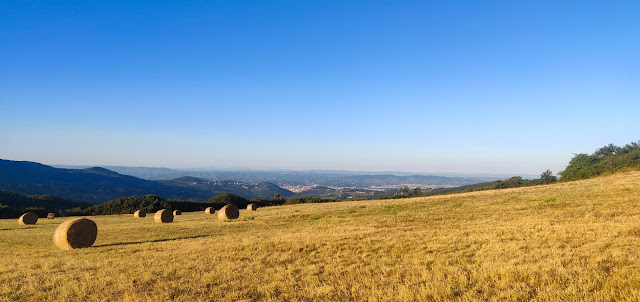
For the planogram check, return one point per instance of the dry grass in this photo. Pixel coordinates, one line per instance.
(576, 241)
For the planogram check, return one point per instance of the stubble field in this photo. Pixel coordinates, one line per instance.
(577, 241)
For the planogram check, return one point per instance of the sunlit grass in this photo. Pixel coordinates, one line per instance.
(575, 241)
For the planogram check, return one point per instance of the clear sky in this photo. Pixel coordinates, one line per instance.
(424, 86)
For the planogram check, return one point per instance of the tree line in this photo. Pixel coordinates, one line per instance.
(42, 204)
(546, 177)
(606, 160)
(13, 205)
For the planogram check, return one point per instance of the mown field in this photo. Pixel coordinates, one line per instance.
(577, 241)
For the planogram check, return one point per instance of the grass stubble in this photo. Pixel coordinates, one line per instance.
(576, 241)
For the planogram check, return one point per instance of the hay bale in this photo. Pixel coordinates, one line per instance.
(51, 215)
(163, 216)
(28, 218)
(75, 234)
(140, 213)
(209, 210)
(177, 212)
(252, 207)
(228, 212)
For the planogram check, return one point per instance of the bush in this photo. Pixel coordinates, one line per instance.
(7, 212)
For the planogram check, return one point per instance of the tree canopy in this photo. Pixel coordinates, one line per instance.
(606, 160)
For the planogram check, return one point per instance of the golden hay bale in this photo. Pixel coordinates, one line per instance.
(140, 213)
(252, 207)
(209, 210)
(51, 215)
(28, 218)
(228, 212)
(163, 216)
(75, 234)
(177, 212)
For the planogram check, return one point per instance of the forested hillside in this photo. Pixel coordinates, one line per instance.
(13, 204)
(98, 185)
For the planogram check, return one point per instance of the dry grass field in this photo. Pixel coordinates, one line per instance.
(577, 241)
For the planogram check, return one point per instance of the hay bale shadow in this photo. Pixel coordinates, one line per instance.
(151, 241)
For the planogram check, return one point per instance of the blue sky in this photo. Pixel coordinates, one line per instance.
(423, 86)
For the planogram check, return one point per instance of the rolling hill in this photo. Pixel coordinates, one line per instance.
(259, 190)
(570, 241)
(343, 193)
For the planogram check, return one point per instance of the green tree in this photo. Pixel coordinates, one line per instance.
(606, 160)
(548, 177)
(513, 182)
(226, 198)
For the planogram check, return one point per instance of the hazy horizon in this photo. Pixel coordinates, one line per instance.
(469, 87)
(241, 169)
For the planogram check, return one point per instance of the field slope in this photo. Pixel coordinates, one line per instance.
(575, 241)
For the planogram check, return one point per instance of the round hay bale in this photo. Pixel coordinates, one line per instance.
(209, 210)
(28, 218)
(51, 215)
(75, 234)
(228, 212)
(252, 207)
(177, 212)
(140, 213)
(163, 216)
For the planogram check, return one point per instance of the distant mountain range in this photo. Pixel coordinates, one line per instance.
(328, 178)
(97, 185)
